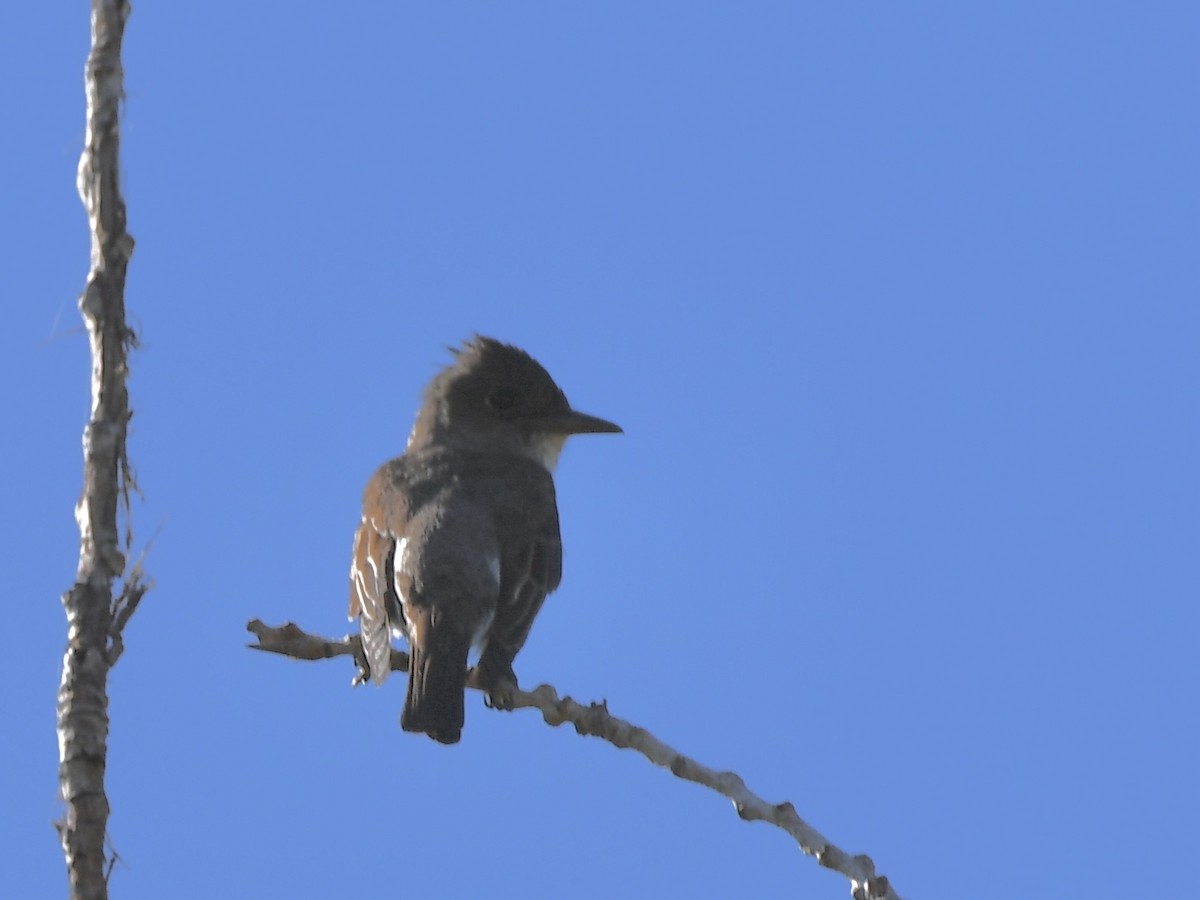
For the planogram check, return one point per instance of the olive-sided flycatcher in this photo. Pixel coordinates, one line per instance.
(459, 542)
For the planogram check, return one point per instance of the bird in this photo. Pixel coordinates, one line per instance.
(459, 541)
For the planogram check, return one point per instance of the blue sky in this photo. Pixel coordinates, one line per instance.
(898, 306)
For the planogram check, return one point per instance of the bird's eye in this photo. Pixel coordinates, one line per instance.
(503, 399)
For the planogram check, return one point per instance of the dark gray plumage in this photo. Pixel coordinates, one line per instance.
(459, 541)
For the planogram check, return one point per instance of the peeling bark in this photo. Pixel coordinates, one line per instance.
(93, 626)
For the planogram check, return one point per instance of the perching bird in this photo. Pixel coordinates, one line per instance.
(459, 541)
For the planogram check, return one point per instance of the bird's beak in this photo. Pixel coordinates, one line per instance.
(572, 422)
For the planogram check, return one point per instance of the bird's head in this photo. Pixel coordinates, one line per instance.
(495, 396)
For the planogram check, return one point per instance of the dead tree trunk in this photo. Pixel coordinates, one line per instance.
(95, 616)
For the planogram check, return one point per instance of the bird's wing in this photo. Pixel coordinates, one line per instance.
(369, 587)
(372, 582)
(530, 569)
(528, 581)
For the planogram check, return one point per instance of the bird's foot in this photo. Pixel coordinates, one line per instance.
(499, 687)
(360, 660)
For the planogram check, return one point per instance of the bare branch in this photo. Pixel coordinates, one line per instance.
(596, 721)
(107, 478)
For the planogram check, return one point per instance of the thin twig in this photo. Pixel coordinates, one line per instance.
(595, 720)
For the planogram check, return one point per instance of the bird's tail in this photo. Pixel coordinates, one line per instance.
(437, 679)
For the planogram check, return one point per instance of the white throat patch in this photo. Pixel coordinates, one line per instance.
(544, 448)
